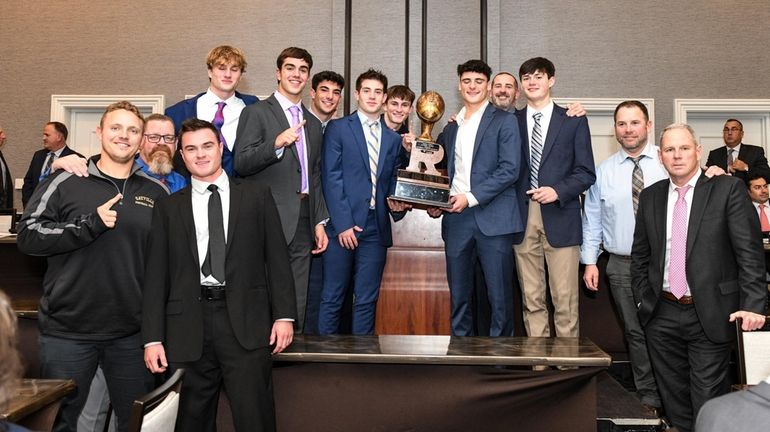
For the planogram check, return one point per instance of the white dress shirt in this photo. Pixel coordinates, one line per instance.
(207, 109)
(545, 120)
(464, 144)
(673, 195)
(200, 207)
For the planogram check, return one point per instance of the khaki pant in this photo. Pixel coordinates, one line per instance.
(531, 256)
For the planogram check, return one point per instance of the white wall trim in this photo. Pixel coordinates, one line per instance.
(726, 108)
(606, 105)
(63, 105)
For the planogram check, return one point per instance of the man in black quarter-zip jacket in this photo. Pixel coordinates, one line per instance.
(94, 230)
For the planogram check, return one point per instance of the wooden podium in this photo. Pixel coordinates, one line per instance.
(414, 295)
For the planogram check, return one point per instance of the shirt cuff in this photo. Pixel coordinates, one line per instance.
(279, 153)
(472, 201)
(286, 319)
(323, 222)
(149, 344)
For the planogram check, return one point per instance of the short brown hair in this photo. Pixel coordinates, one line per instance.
(225, 54)
(10, 363)
(401, 92)
(158, 117)
(294, 52)
(122, 105)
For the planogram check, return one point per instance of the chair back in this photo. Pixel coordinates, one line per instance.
(753, 354)
(157, 411)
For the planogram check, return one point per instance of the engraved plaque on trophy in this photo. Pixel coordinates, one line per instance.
(421, 182)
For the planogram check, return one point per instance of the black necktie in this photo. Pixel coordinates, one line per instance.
(214, 264)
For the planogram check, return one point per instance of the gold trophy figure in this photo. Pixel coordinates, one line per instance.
(421, 182)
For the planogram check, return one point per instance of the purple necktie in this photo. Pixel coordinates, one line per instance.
(677, 263)
(294, 110)
(219, 120)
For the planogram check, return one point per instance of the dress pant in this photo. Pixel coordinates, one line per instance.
(532, 254)
(619, 275)
(689, 368)
(464, 243)
(299, 257)
(365, 264)
(246, 375)
(122, 361)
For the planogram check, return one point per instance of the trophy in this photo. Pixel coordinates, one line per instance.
(421, 182)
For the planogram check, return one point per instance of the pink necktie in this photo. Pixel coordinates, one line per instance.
(764, 224)
(219, 121)
(677, 268)
(294, 110)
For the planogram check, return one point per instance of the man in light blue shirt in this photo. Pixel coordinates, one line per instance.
(609, 221)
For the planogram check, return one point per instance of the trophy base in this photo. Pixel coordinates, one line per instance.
(420, 188)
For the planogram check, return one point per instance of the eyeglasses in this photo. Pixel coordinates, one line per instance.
(734, 130)
(155, 138)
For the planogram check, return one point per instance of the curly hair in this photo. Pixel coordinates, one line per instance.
(10, 363)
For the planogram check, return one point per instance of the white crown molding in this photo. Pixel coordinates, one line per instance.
(606, 105)
(719, 106)
(63, 105)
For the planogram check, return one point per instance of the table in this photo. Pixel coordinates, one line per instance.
(432, 383)
(37, 403)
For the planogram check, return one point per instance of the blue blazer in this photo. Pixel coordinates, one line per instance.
(495, 169)
(32, 178)
(188, 108)
(567, 165)
(346, 180)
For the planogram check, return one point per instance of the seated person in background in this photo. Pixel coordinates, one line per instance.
(10, 363)
(735, 157)
(741, 411)
(54, 147)
(758, 192)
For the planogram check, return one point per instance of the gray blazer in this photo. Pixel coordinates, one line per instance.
(742, 411)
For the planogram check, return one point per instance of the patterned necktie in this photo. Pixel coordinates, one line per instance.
(373, 144)
(295, 120)
(214, 264)
(677, 267)
(637, 181)
(764, 223)
(219, 121)
(730, 159)
(47, 169)
(536, 150)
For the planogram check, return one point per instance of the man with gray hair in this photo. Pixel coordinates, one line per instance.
(688, 290)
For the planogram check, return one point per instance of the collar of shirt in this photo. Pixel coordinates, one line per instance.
(210, 98)
(736, 148)
(364, 124)
(286, 104)
(58, 152)
(764, 204)
(201, 187)
(545, 120)
(692, 182)
(460, 119)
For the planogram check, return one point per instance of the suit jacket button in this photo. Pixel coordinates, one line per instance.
(299, 170)
(298, 191)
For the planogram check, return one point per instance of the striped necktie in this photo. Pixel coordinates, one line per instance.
(373, 145)
(536, 150)
(637, 181)
(47, 169)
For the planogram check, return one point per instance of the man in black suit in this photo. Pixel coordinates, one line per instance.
(54, 147)
(215, 302)
(6, 181)
(279, 144)
(696, 266)
(737, 158)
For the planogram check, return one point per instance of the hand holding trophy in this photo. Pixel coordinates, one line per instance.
(421, 182)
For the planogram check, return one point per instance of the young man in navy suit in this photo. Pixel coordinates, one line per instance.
(558, 166)
(220, 104)
(358, 167)
(483, 148)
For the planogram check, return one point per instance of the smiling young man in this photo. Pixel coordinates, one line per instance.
(325, 93)
(220, 104)
(483, 159)
(279, 144)
(94, 231)
(696, 267)
(214, 309)
(558, 166)
(360, 160)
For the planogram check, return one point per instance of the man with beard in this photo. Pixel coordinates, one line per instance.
(157, 152)
(505, 91)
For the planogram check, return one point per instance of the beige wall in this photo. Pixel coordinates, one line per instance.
(601, 48)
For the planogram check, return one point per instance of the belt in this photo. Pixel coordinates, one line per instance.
(303, 196)
(212, 293)
(622, 257)
(684, 300)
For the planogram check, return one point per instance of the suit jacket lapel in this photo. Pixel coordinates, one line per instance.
(700, 197)
(659, 212)
(186, 216)
(450, 137)
(486, 119)
(236, 195)
(358, 135)
(557, 118)
(311, 132)
(280, 117)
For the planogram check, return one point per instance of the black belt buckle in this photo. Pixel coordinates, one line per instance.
(211, 293)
